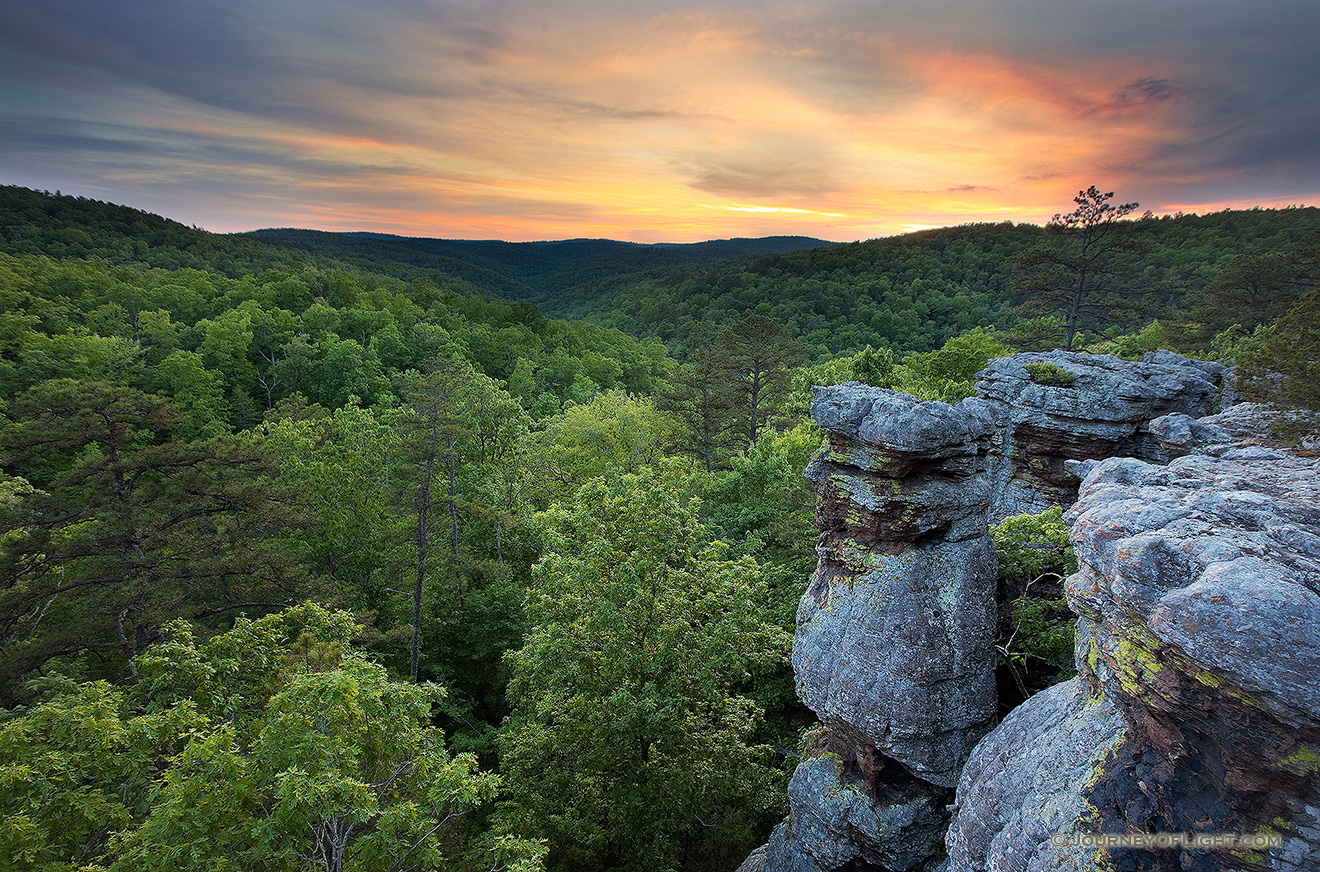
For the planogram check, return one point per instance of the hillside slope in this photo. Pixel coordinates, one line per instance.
(520, 270)
(914, 292)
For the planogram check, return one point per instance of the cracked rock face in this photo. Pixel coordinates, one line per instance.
(893, 641)
(1028, 781)
(896, 650)
(1214, 559)
(1082, 406)
(1199, 601)
(893, 644)
(1197, 705)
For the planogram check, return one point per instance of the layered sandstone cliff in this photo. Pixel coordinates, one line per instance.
(893, 642)
(1197, 600)
(1057, 406)
(1197, 706)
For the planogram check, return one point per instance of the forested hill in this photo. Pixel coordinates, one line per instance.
(914, 292)
(74, 228)
(595, 544)
(62, 226)
(76, 272)
(907, 293)
(520, 270)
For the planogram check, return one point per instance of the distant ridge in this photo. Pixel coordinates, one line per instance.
(524, 270)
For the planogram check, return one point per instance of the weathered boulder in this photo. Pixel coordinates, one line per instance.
(755, 861)
(1199, 602)
(845, 808)
(1259, 423)
(1215, 560)
(1184, 585)
(783, 853)
(893, 644)
(1216, 372)
(1028, 781)
(1059, 406)
(1181, 434)
(893, 641)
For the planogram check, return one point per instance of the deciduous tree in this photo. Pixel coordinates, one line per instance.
(273, 746)
(628, 729)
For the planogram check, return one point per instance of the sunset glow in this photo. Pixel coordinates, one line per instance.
(633, 121)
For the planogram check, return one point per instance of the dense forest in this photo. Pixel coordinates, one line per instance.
(519, 270)
(341, 551)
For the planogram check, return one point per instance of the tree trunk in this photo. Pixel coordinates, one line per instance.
(423, 542)
(1075, 309)
(453, 521)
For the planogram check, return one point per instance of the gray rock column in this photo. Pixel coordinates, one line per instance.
(893, 649)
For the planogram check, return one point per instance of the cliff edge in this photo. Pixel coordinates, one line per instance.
(1196, 710)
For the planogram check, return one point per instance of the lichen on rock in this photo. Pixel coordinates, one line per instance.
(1198, 597)
(1029, 780)
(1197, 705)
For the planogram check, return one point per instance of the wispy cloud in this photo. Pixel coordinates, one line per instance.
(517, 119)
(768, 210)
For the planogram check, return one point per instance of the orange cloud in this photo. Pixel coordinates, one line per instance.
(523, 122)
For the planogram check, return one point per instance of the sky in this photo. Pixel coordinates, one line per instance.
(676, 121)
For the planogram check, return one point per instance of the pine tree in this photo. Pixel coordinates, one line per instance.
(756, 357)
(127, 527)
(1068, 277)
(700, 398)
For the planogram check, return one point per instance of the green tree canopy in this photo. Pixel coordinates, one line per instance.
(127, 527)
(628, 727)
(273, 746)
(1286, 370)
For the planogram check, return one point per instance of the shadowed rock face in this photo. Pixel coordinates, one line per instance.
(1199, 604)
(846, 807)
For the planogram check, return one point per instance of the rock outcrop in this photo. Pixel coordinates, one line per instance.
(893, 636)
(1197, 705)
(1198, 596)
(893, 643)
(1028, 782)
(1059, 406)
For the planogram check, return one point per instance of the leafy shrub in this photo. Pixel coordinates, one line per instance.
(1035, 639)
(1028, 545)
(1130, 346)
(1050, 374)
(1235, 344)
